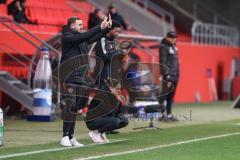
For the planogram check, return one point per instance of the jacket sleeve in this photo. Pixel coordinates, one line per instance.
(163, 54)
(81, 37)
(123, 23)
(98, 36)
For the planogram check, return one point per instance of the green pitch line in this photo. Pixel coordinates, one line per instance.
(55, 149)
(212, 149)
(137, 140)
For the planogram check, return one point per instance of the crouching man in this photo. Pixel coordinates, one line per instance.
(105, 114)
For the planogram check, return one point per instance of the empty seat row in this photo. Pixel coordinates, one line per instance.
(16, 70)
(34, 28)
(53, 17)
(59, 5)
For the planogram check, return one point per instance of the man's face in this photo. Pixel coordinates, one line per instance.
(113, 10)
(115, 32)
(77, 26)
(172, 40)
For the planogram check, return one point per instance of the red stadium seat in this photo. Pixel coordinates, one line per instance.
(15, 70)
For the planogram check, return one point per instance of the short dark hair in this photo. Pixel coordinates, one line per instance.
(171, 34)
(72, 20)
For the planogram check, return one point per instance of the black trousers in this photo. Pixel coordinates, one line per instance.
(107, 124)
(72, 103)
(170, 92)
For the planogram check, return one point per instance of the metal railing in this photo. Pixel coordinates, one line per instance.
(164, 14)
(202, 12)
(213, 34)
(10, 84)
(5, 21)
(27, 59)
(141, 37)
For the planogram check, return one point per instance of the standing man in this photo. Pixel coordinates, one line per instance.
(168, 54)
(103, 46)
(75, 43)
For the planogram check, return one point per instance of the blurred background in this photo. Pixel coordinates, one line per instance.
(208, 43)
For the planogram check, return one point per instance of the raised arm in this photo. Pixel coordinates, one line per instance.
(81, 37)
(98, 36)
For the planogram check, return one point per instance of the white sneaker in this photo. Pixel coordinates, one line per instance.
(66, 142)
(104, 137)
(96, 137)
(75, 143)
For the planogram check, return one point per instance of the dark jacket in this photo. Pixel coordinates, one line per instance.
(75, 43)
(169, 61)
(93, 21)
(110, 107)
(106, 57)
(117, 17)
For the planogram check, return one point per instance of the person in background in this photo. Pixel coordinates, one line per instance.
(17, 9)
(95, 18)
(116, 16)
(3, 1)
(168, 54)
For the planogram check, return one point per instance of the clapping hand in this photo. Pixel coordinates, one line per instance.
(107, 22)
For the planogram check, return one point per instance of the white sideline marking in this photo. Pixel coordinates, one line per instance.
(160, 146)
(55, 149)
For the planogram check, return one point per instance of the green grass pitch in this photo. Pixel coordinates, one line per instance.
(165, 140)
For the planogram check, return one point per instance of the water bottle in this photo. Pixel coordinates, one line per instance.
(42, 98)
(43, 72)
(1, 127)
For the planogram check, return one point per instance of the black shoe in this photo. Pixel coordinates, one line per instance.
(162, 117)
(112, 132)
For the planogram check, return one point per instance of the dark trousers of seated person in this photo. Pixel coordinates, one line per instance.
(107, 124)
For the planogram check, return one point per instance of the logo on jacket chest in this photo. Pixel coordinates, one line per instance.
(173, 50)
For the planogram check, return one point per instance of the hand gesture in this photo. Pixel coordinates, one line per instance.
(109, 21)
(104, 23)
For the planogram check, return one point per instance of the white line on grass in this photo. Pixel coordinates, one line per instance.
(160, 146)
(55, 149)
